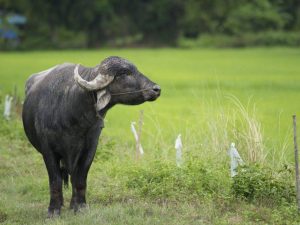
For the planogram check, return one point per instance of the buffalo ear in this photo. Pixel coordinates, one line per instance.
(103, 98)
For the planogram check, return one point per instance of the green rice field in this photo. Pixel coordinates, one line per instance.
(211, 96)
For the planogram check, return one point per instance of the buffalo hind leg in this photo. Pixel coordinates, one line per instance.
(55, 184)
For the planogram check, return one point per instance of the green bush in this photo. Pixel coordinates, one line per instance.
(61, 38)
(264, 185)
(254, 17)
(163, 180)
(267, 38)
(107, 150)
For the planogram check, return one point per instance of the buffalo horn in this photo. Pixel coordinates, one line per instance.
(98, 83)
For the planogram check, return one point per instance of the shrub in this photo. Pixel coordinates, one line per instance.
(62, 38)
(263, 184)
(266, 38)
(163, 180)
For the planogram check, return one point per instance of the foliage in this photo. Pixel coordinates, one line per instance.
(165, 181)
(237, 17)
(254, 16)
(98, 23)
(257, 183)
(158, 21)
(267, 38)
(106, 151)
(11, 129)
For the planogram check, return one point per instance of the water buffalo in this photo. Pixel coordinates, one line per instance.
(63, 117)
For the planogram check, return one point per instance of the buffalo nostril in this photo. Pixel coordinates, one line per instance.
(156, 88)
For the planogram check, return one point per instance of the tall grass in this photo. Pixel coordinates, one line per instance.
(116, 178)
(210, 138)
(206, 134)
(250, 133)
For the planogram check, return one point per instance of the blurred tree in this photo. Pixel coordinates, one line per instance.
(16, 6)
(254, 16)
(158, 20)
(290, 11)
(205, 16)
(94, 23)
(96, 18)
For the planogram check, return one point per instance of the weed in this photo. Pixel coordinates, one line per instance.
(265, 185)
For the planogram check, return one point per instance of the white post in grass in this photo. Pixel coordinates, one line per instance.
(235, 159)
(7, 107)
(178, 147)
(136, 137)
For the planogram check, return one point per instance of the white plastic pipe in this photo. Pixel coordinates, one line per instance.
(235, 159)
(178, 147)
(136, 137)
(7, 107)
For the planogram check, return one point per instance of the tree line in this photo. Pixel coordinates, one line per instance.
(96, 23)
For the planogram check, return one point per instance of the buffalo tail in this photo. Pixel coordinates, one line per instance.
(64, 175)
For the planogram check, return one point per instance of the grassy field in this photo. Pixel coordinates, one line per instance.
(212, 97)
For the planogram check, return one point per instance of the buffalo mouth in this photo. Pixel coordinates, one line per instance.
(152, 95)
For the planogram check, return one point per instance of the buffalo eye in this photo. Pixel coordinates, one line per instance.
(124, 72)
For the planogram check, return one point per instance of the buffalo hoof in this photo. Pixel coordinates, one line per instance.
(78, 208)
(72, 204)
(53, 213)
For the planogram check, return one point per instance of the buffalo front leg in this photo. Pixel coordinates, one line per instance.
(55, 184)
(79, 176)
(79, 185)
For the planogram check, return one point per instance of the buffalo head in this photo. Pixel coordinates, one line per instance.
(119, 81)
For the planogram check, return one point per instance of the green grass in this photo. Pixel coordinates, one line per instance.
(212, 97)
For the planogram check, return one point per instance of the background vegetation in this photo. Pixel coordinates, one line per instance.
(98, 23)
(212, 97)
